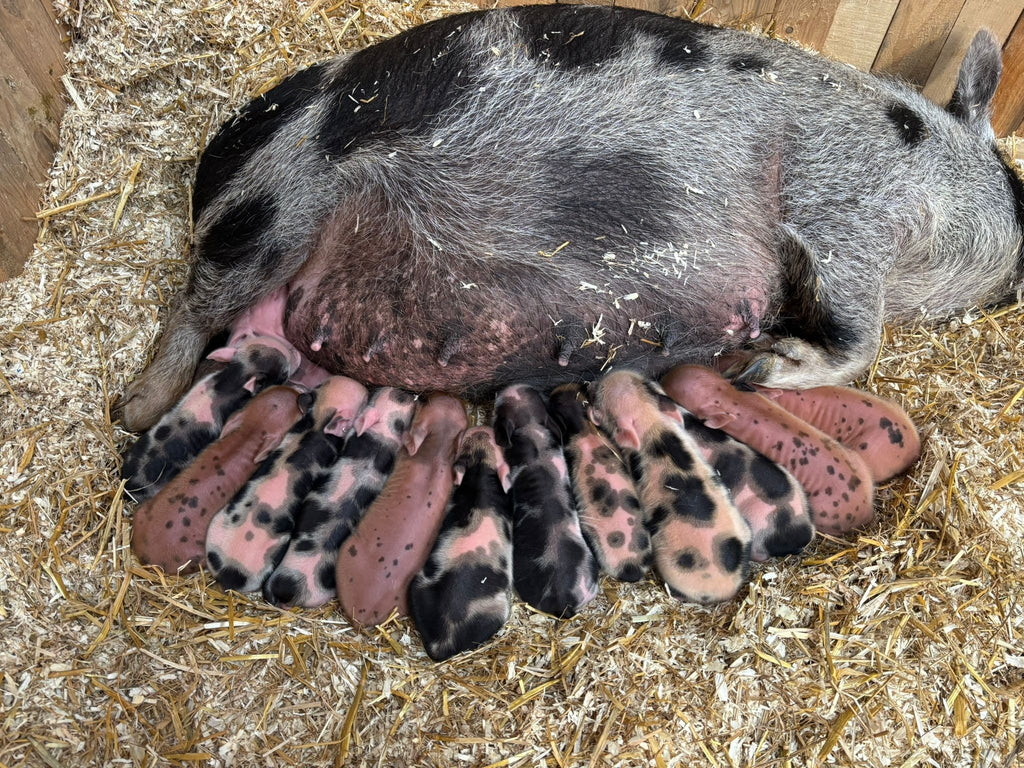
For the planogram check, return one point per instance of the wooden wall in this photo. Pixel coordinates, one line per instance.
(922, 41)
(31, 105)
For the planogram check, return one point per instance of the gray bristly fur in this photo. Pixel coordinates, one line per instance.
(697, 175)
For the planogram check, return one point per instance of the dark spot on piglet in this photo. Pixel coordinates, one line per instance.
(744, 63)
(895, 433)
(231, 578)
(731, 554)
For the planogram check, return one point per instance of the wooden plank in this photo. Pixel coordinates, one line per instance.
(738, 13)
(858, 31)
(807, 23)
(31, 105)
(998, 16)
(1008, 104)
(915, 38)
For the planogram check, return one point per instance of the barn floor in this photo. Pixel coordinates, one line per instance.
(900, 645)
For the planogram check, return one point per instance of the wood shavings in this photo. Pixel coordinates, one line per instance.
(899, 645)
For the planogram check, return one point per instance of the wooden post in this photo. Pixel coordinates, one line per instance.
(1008, 105)
(31, 105)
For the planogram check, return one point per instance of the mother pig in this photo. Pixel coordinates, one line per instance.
(522, 194)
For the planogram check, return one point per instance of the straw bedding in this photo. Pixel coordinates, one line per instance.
(899, 645)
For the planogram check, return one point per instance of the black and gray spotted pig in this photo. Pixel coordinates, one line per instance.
(522, 183)
(701, 543)
(463, 594)
(330, 512)
(610, 514)
(197, 420)
(249, 536)
(553, 568)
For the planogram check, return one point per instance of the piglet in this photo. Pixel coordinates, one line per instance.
(609, 511)
(837, 482)
(876, 429)
(701, 542)
(196, 421)
(462, 596)
(248, 537)
(169, 530)
(332, 509)
(553, 568)
(770, 499)
(394, 538)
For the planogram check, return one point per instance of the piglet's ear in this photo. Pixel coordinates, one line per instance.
(337, 426)
(233, 423)
(627, 437)
(503, 429)
(266, 446)
(413, 439)
(222, 354)
(718, 419)
(250, 385)
(366, 419)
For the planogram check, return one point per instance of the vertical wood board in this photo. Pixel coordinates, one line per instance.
(998, 16)
(858, 31)
(915, 37)
(807, 23)
(1008, 104)
(31, 105)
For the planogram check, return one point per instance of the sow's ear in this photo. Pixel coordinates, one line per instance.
(976, 85)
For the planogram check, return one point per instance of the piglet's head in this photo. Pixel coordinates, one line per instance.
(338, 402)
(442, 417)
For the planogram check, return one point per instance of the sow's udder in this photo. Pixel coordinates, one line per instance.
(470, 325)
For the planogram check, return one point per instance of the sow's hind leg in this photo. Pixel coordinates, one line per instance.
(829, 329)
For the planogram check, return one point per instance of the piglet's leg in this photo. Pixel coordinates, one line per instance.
(212, 301)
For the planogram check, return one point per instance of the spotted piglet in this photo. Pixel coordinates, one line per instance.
(837, 481)
(249, 535)
(169, 530)
(462, 596)
(330, 512)
(553, 568)
(198, 418)
(770, 499)
(610, 515)
(701, 542)
(378, 561)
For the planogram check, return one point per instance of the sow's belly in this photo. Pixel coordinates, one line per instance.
(471, 327)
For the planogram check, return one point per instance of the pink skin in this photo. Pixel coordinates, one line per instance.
(170, 529)
(702, 557)
(877, 429)
(837, 481)
(348, 476)
(376, 563)
(236, 537)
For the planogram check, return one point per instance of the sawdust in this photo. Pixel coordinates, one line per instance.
(899, 645)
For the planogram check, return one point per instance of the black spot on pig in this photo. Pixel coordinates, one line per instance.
(909, 124)
(894, 432)
(730, 466)
(398, 86)
(788, 537)
(691, 500)
(731, 554)
(610, 189)
(669, 444)
(682, 41)
(282, 588)
(236, 234)
(572, 37)
(769, 477)
(239, 138)
(230, 577)
(701, 432)
(749, 62)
